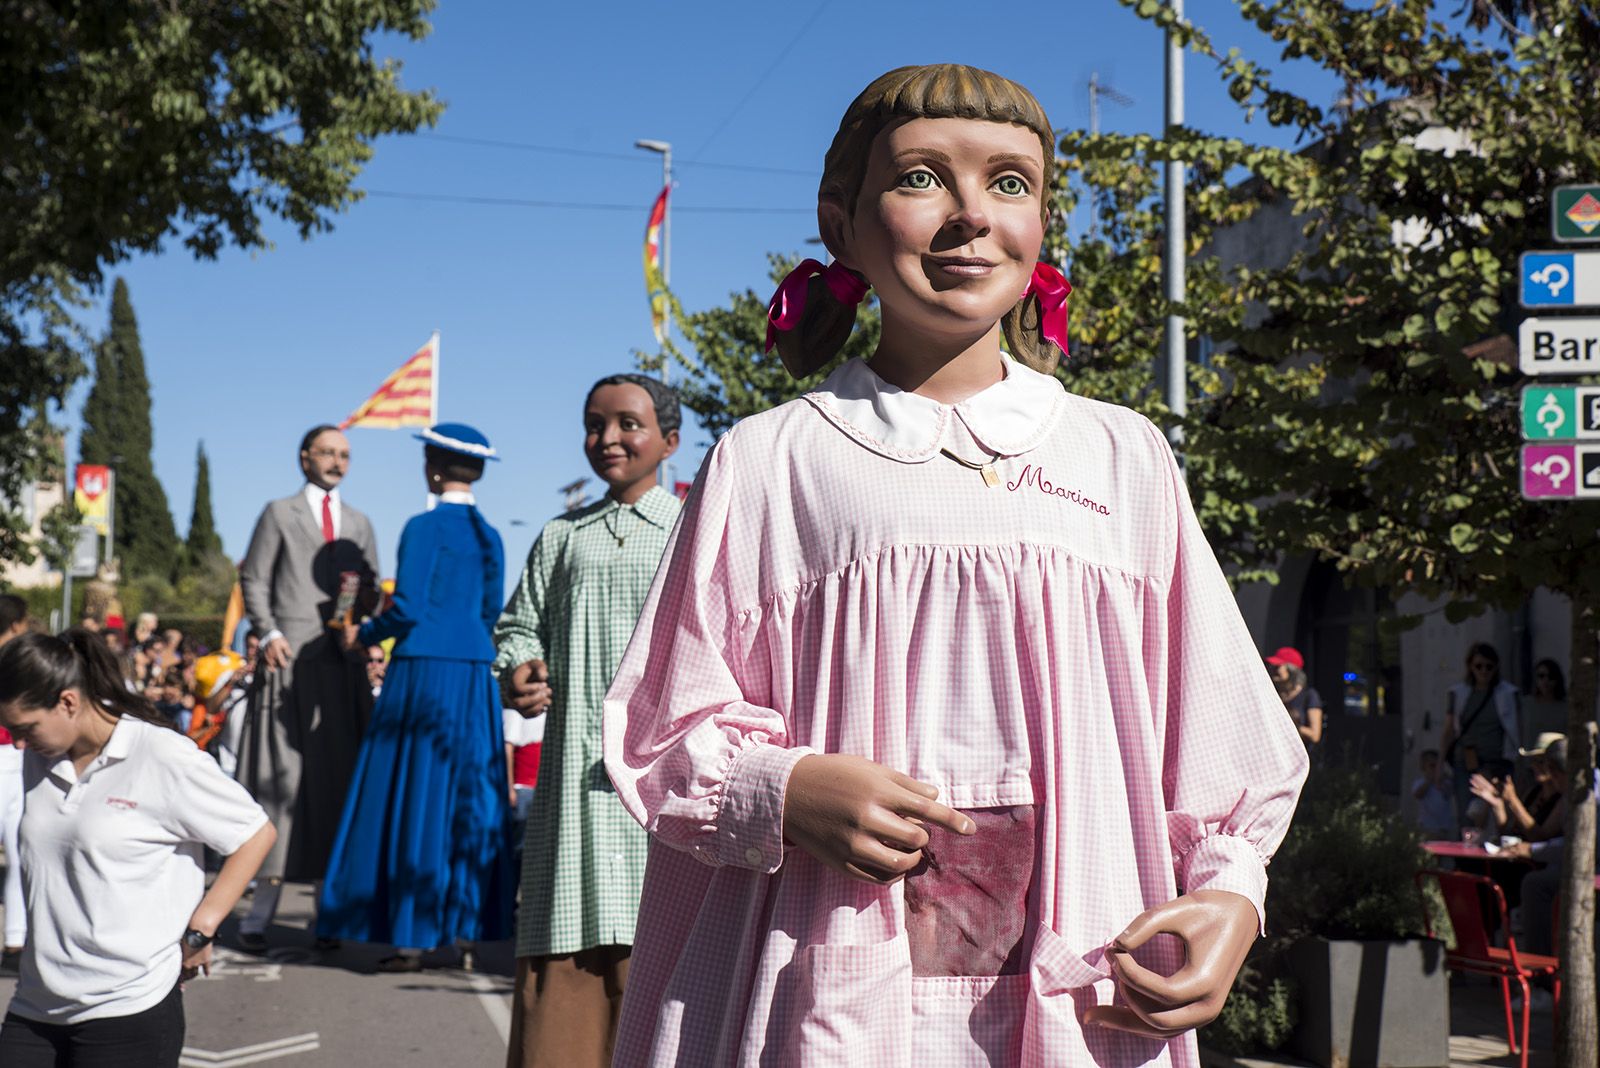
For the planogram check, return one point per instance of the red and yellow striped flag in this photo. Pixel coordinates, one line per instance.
(406, 398)
(654, 283)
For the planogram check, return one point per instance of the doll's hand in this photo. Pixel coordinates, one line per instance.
(860, 818)
(349, 636)
(529, 688)
(1217, 928)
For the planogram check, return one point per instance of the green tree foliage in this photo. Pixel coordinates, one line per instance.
(117, 432)
(203, 541)
(129, 124)
(1344, 871)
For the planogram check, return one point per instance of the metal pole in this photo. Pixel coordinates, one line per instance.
(111, 512)
(66, 595)
(1177, 241)
(666, 252)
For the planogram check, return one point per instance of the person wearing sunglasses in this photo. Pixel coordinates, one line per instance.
(1482, 722)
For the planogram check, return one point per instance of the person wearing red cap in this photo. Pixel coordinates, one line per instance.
(1288, 670)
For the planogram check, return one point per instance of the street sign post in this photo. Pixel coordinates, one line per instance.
(81, 563)
(1560, 279)
(1575, 213)
(1559, 346)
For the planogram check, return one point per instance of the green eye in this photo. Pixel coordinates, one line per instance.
(918, 180)
(1012, 186)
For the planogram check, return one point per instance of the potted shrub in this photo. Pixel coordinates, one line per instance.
(1344, 977)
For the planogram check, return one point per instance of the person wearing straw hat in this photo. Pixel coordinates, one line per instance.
(1537, 814)
(422, 858)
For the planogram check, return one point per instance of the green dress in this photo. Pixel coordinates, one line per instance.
(575, 607)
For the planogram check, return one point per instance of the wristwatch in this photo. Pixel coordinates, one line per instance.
(194, 940)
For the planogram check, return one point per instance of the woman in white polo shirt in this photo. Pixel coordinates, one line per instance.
(117, 809)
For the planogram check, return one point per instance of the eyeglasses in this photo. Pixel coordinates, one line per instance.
(329, 454)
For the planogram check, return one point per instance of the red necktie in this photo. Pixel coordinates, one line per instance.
(327, 517)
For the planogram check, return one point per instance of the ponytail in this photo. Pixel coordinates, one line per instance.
(824, 328)
(36, 669)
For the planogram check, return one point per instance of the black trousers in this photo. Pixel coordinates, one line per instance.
(149, 1039)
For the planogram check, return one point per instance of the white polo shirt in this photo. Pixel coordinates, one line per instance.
(112, 870)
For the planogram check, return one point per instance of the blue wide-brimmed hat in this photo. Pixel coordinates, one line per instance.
(458, 438)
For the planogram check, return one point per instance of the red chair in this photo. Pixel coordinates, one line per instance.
(1470, 899)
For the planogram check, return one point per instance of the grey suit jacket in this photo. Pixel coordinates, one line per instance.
(290, 576)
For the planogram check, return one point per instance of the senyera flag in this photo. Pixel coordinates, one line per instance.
(408, 397)
(655, 285)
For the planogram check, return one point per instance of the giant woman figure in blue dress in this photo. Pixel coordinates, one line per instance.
(422, 858)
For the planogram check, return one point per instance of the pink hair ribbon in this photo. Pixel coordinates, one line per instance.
(788, 304)
(1052, 289)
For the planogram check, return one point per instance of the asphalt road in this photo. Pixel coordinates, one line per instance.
(300, 1008)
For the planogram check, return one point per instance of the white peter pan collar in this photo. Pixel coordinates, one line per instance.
(1008, 418)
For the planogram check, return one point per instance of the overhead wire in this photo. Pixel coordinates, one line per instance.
(518, 202)
(765, 74)
(563, 150)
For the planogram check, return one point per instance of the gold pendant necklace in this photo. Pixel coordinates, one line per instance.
(991, 477)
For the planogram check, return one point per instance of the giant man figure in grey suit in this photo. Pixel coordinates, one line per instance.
(309, 707)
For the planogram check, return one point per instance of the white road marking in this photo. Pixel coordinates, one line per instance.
(261, 1051)
(495, 1001)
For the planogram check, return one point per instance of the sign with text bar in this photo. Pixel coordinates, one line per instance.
(1559, 346)
(1561, 413)
(1560, 279)
(1564, 472)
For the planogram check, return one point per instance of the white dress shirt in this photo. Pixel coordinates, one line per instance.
(314, 495)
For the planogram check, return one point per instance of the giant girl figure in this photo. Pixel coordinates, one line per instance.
(952, 745)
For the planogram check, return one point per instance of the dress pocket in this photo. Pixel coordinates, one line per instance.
(852, 1006)
(968, 1020)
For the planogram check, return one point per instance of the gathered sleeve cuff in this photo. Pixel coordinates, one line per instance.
(1233, 762)
(749, 823)
(692, 744)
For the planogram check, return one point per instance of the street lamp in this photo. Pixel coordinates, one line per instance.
(665, 148)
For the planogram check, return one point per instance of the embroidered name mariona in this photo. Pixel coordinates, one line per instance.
(1035, 475)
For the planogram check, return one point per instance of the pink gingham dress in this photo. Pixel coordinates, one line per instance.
(1058, 653)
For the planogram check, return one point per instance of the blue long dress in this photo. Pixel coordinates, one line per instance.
(423, 852)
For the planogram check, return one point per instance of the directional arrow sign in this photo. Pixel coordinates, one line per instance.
(1560, 279)
(1550, 413)
(1559, 346)
(1565, 471)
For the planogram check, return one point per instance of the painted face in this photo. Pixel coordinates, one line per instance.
(622, 439)
(327, 460)
(50, 732)
(947, 226)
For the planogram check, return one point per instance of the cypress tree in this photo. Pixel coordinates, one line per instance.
(117, 432)
(203, 539)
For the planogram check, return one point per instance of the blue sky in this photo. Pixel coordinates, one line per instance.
(533, 304)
